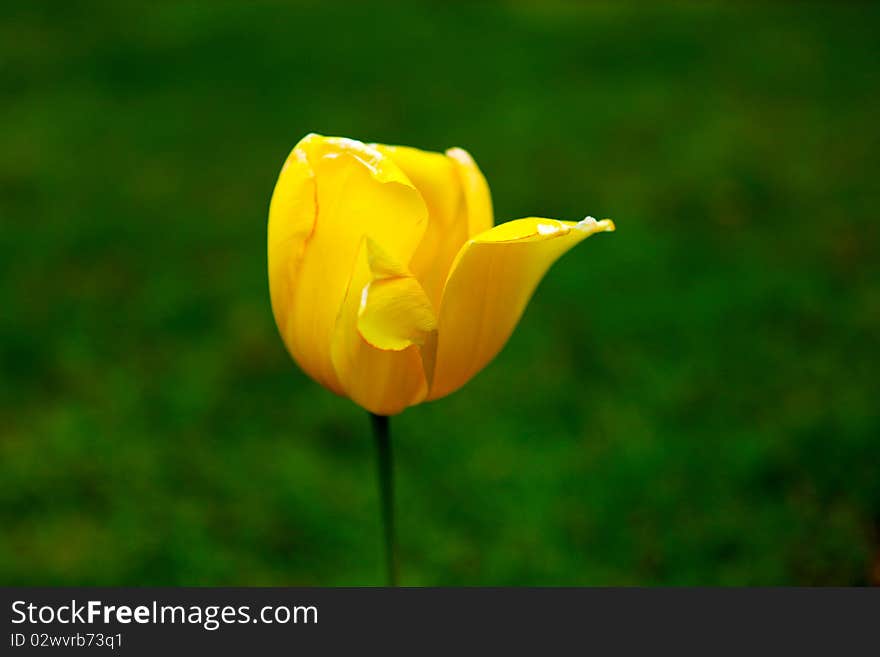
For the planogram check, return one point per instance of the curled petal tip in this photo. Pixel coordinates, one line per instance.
(590, 225)
(460, 155)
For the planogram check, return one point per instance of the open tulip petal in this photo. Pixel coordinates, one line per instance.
(491, 281)
(356, 191)
(384, 319)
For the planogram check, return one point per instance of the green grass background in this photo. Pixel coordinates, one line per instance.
(690, 401)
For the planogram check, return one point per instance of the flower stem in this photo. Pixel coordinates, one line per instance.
(382, 433)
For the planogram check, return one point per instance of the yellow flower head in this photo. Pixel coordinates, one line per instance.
(389, 284)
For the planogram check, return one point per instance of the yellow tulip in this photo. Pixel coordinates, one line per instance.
(389, 283)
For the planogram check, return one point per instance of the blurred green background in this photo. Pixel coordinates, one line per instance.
(690, 401)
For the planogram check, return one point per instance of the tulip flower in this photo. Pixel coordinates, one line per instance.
(389, 283)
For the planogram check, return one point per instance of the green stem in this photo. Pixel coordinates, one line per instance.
(382, 433)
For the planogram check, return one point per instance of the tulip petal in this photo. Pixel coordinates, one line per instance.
(476, 191)
(291, 220)
(395, 313)
(355, 191)
(491, 281)
(384, 319)
(436, 177)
